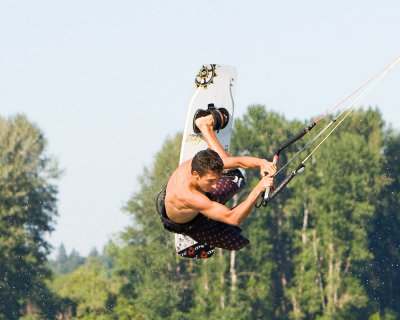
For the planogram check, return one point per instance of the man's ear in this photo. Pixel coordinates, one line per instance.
(195, 174)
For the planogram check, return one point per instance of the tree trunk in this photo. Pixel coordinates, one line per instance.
(296, 306)
(232, 269)
(319, 277)
(331, 289)
(305, 223)
(233, 272)
(222, 278)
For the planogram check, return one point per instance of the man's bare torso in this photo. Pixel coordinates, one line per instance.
(180, 195)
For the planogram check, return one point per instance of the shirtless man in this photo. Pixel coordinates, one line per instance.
(197, 190)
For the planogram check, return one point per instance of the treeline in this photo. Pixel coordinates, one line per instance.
(325, 248)
(66, 263)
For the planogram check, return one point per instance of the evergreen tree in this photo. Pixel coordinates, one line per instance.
(27, 211)
(65, 263)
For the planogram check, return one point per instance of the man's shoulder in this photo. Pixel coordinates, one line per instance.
(192, 195)
(184, 168)
(186, 163)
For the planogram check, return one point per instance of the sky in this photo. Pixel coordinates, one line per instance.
(108, 81)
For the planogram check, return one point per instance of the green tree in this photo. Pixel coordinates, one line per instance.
(91, 289)
(250, 284)
(27, 211)
(155, 279)
(333, 206)
(383, 280)
(266, 266)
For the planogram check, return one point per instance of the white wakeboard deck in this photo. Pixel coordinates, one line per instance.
(214, 84)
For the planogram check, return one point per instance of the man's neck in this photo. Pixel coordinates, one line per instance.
(193, 184)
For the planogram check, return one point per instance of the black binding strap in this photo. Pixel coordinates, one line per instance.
(220, 115)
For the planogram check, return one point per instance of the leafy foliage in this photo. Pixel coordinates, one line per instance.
(91, 289)
(27, 211)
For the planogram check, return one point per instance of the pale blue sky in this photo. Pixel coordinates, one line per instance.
(108, 81)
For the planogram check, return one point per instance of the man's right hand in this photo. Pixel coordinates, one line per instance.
(266, 182)
(203, 122)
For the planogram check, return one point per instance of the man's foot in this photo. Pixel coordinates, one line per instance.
(203, 122)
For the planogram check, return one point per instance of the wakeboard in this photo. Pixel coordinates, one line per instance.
(214, 87)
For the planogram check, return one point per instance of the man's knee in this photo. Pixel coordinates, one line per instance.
(237, 177)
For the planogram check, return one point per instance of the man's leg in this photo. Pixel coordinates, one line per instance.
(217, 234)
(230, 184)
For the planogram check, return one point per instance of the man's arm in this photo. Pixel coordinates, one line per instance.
(219, 212)
(249, 163)
(205, 124)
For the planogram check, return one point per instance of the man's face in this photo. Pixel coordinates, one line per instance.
(208, 181)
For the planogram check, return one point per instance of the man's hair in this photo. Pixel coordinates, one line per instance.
(205, 161)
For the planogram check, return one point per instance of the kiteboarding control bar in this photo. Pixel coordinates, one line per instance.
(357, 102)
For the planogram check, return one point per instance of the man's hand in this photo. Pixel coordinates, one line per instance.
(267, 168)
(266, 182)
(203, 122)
